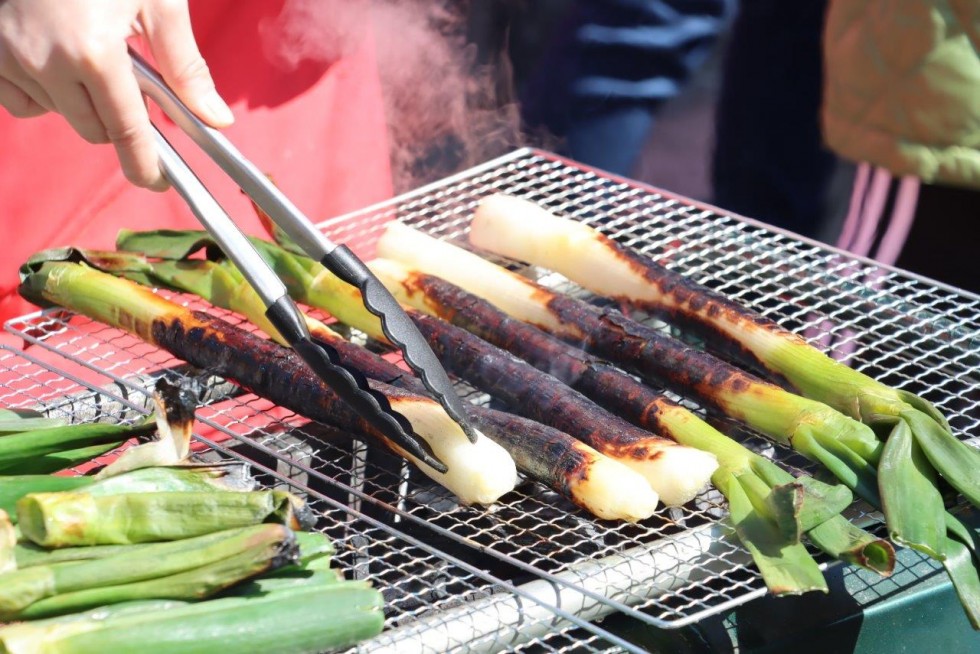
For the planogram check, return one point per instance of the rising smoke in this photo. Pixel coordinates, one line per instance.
(321, 31)
(444, 111)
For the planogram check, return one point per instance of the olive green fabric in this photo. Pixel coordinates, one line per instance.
(902, 86)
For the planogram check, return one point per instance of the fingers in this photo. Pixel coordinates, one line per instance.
(54, 87)
(99, 97)
(33, 89)
(17, 102)
(167, 26)
(118, 103)
(71, 57)
(14, 75)
(71, 99)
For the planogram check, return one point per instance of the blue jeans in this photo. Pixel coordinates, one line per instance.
(612, 65)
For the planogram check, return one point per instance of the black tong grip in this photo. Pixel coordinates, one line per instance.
(350, 384)
(400, 330)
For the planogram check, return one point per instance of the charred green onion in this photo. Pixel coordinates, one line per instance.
(526, 232)
(640, 404)
(676, 473)
(585, 476)
(850, 450)
(478, 473)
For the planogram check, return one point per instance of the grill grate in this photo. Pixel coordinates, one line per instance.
(417, 580)
(533, 552)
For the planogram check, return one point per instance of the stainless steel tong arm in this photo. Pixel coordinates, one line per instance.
(282, 312)
(248, 177)
(219, 224)
(396, 324)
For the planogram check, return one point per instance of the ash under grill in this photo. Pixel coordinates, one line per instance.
(533, 572)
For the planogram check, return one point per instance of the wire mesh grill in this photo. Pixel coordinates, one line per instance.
(417, 580)
(674, 569)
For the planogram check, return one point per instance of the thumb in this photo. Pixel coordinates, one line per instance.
(167, 26)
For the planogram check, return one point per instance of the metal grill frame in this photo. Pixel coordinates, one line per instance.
(683, 567)
(42, 386)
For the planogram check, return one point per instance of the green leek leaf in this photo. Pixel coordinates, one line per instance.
(913, 506)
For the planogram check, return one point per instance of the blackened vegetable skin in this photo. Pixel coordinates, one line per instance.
(262, 367)
(649, 353)
(535, 394)
(699, 310)
(631, 345)
(547, 455)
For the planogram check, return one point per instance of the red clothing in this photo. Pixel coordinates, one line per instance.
(318, 128)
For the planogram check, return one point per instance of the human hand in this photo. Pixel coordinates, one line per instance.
(70, 56)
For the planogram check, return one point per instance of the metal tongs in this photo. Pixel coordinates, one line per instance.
(282, 312)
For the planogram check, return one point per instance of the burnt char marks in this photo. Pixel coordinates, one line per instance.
(652, 354)
(547, 454)
(642, 265)
(178, 404)
(603, 383)
(528, 391)
(697, 303)
(570, 464)
(607, 385)
(624, 396)
(578, 320)
(481, 318)
(637, 452)
(656, 355)
(717, 339)
(260, 366)
(686, 292)
(700, 311)
(575, 463)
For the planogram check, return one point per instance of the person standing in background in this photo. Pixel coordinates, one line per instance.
(902, 98)
(769, 161)
(857, 123)
(300, 77)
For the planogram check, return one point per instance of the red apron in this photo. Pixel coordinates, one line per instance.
(317, 127)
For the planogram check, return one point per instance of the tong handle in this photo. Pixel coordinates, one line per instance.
(401, 331)
(248, 177)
